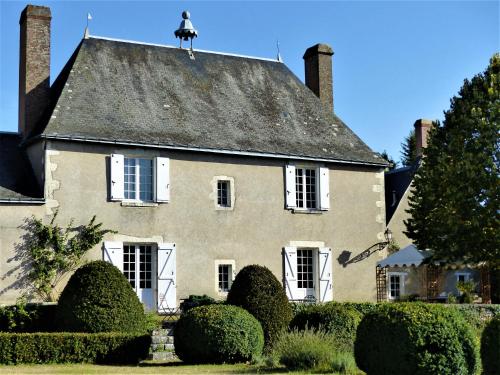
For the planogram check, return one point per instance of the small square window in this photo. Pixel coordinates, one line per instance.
(223, 193)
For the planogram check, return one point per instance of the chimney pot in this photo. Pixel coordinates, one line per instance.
(318, 73)
(422, 127)
(34, 66)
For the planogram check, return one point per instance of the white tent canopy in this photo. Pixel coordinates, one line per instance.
(406, 257)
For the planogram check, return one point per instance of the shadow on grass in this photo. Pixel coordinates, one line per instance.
(225, 368)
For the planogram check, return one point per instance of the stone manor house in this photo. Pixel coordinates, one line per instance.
(203, 162)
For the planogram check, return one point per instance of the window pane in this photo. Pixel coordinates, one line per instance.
(129, 264)
(129, 178)
(299, 187)
(305, 277)
(145, 267)
(146, 179)
(224, 272)
(223, 199)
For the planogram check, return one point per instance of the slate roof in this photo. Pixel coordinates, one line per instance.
(17, 182)
(132, 93)
(396, 183)
(406, 257)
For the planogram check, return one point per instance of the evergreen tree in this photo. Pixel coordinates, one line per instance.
(454, 208)
(409, 150)
(390, 160)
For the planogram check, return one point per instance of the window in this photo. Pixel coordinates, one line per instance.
(305, 274)
(462, 277)
(224, 277)
(305, 188)
(395, 285)
(138, 179)
(138, 258)
(223, 193)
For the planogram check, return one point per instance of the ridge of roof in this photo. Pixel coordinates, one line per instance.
(185, 49)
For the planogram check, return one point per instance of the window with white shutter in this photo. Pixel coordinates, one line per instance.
(113, 253)
(140, 179)
(325, 274)
(307, 188)
(290, 269)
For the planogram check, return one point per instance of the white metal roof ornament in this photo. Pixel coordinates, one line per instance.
(186, 31)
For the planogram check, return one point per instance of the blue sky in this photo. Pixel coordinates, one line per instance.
(394, 61)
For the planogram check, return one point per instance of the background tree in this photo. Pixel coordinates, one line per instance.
(409, 149)
(54, 251)
(390, 160)
(455, 204)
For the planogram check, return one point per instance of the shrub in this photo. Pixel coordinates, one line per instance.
(338, 320)
(477, 315)
(415, 338)
(257, 290)
(217, 334)
(195, 301)
(490, 347)
(304, 350)
(30, 317)
(311, 350)
(98, 298)
(109, 348)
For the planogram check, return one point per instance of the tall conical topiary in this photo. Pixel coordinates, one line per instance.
(98, 298)
(258, 291)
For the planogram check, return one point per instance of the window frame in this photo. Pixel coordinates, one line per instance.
(402, 281)
(304, 185)
(137, 266)
(227, 184)
(467, 276)
(137, 182)
(231, 192)
(231, 274)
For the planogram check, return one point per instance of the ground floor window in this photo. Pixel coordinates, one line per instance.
(138, 266)
(224, 275)
(395, 285)
(305, 272)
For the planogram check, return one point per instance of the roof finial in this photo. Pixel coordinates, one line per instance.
(278, 57)
(186, 30)
(86, 34)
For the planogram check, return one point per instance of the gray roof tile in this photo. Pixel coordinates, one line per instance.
(146, 94)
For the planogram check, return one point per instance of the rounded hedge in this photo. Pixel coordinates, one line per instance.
(258, 291)
(98, 298)
(218, 334)
(490, 347)
(415, 338)
(339, 320)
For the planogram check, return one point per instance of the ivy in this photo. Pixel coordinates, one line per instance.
(54, 251)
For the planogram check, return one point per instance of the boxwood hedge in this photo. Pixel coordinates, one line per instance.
(417, 339)
(102, 348)
(490, 347)
(218, 334)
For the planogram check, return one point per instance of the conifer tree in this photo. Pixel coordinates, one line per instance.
(409, 150)
(455, 205)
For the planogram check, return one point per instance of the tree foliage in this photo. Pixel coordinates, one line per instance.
(456, 198)
(392, 164)
(54, 251)
(409, 149)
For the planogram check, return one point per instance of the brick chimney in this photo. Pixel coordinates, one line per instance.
(34, 66)
(422, 128)
(318, 73)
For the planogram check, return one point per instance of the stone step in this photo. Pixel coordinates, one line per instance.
(163, 356)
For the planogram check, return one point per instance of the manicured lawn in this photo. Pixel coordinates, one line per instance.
(145, 368)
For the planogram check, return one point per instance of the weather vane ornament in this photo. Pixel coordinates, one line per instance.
(87, 33)
(186, 31)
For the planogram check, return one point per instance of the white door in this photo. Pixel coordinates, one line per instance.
(306, 271)
(138, 269)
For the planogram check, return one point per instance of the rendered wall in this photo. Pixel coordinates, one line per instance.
(255, 231)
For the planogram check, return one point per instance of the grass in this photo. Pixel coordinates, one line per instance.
(149, 367)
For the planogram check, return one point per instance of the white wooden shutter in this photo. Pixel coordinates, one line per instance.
(325, 274)
(117, 170)
(290, 269)
(162, 167)
(290, 195)
(167, 296)
(113, 253)
(324, 188)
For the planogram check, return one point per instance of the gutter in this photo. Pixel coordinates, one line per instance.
(204, 149)
(23, 200)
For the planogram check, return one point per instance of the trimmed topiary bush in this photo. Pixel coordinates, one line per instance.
(490, 347)
(415, 338)
(338, 320)
(218, 334)
(63, 347)
(98, 298)
(195, 301)
(258, 291)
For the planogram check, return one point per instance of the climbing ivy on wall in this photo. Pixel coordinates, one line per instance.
(53, 251)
